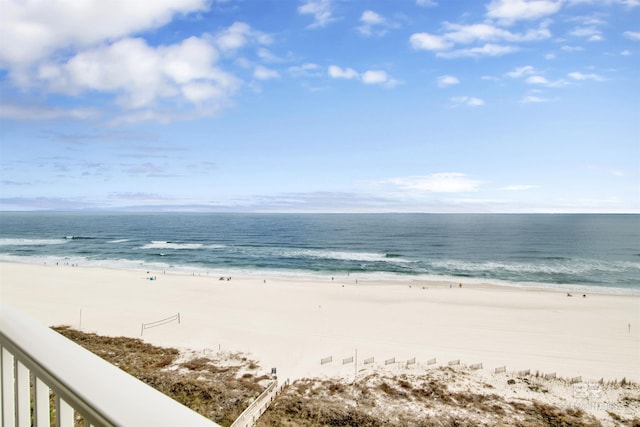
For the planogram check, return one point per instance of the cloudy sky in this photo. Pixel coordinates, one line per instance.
(320, 105)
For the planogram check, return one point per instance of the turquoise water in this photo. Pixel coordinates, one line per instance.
(548, 250)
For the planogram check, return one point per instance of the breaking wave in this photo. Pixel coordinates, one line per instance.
(159, 244)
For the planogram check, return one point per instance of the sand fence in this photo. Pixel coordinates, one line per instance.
(392, 361)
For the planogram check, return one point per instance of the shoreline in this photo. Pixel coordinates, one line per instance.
(292, 324)
(385, 278)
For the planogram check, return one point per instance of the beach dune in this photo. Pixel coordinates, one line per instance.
(293, 324)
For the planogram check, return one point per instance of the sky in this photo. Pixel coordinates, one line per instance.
(320, 105)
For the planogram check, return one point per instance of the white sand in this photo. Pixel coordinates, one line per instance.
(292, 325)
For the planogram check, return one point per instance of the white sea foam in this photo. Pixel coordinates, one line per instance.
(31, 242)
(119, 241)
(343, 255)
(562, 267)
(159, 244)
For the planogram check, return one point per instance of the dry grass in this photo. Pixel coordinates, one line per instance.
(221, 390)
(216, 391)
(418, 401)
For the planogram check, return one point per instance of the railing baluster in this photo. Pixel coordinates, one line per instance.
(8, 390)
(23, 395)
(41, 402)
(64, 413)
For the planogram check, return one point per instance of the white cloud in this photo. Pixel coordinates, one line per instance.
(267, 56)
(591, 33)
(632, 35)
(509, 11)
(74, 47)
(627, 3)
(322, 11)
(374, 77)
(451, 182)
(14, 112)
(488, 49)
(465, 34)
(456, 34)
(536, 80)
(445, 81)
(533, 99)
(339, 73)
(581, 76)
(426, 41)
(526, 70)
(466, 101)
(519, 187)
(625, 52)
(374, 24)
(568, 48)
(306, 69)
(264, 73)
(369, 17)
(33, 31)
(539, 80)
(200, 92)
(426, 3)
(369, 77)
(142, 75)
(238, 35)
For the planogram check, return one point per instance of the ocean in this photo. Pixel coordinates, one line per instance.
(581, 251)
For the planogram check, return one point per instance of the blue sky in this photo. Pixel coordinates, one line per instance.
(320, 105)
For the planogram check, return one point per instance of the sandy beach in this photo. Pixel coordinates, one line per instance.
(292, 325)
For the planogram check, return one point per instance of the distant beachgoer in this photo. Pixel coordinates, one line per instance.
(569, 295)
(629, 326)
(460, 285)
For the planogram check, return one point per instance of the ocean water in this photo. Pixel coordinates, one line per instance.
(566, 251)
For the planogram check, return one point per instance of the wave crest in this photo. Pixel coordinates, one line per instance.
(159, 244)
(31, 242)
(345, 255)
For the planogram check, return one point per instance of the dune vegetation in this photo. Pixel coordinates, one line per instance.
(220, 385)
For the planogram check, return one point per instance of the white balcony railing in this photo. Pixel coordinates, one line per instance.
(37, 362)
